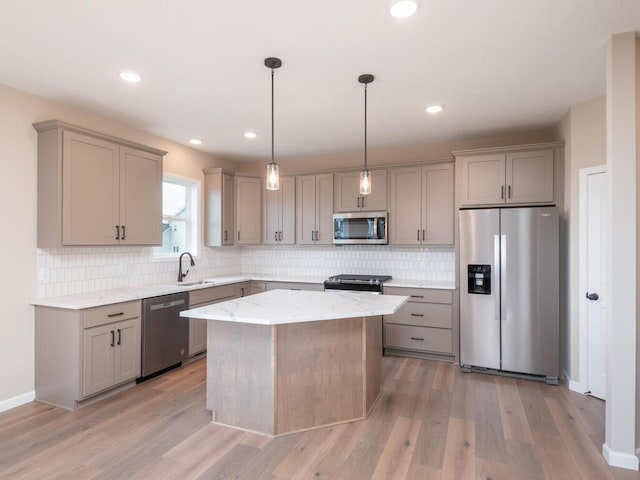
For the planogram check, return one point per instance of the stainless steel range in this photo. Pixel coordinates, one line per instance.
(359, 283)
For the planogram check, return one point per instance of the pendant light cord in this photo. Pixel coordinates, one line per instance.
(365, 127)
(272, 121)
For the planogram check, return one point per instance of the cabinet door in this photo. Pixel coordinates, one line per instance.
(324, 209)
(127, 350)
(377, 200)
(98, 375)
(405, 226)
(272, 213)
(530, 177)
(90, 191)
(248, 211)
(347, 196)
(140, 197)
(306, 209)
(197, 335)
(483, 179)
(347, 192)
(437, 204)
(288, 210)
(228, 210)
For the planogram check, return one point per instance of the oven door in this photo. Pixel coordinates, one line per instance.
(360, 228)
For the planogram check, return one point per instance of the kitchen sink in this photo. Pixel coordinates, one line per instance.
(191, 284)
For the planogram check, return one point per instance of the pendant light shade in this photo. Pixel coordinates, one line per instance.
(273, 176)
(365, 176)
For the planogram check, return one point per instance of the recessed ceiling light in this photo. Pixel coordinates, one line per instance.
(130, 77)
(434, 108)
(403, 8)
(250, 134)
(195, 141)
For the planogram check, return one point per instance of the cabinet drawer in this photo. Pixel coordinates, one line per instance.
(318, 287)
(213, 294)
(418, 338)
(111, 313)
(423, 314)
(422, 294)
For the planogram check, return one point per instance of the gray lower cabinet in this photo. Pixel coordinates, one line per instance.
(424, 325)
(200, 298)
(82, 353)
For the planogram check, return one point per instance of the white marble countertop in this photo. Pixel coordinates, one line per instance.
(108, 297)
(278, 307)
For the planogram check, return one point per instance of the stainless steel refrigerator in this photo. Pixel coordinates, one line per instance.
(509, 276)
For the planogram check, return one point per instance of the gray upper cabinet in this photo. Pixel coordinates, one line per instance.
(503, 177)
(347, 192)
(279, 213)
(248, 210)
(314, 209)
(96, 190)
(219, 210)
(421, 205)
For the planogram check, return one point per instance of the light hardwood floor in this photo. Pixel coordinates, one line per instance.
(431, 422)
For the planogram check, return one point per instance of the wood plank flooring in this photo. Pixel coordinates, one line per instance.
(432, 422)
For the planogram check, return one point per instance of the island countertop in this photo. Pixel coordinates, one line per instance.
(279, 307)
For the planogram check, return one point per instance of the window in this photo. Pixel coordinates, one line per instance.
(179, 217)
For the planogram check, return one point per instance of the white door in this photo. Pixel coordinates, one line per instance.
(594, 296)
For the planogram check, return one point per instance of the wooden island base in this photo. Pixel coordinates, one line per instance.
(280, 379)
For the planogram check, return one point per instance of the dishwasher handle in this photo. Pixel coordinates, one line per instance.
(162, 306)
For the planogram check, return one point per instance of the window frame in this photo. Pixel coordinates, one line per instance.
(191, 217)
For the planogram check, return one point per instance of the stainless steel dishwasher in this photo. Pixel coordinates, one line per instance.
(165, 335)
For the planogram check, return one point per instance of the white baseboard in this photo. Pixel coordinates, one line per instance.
(620, 459)
(10, 403)
(573, 386)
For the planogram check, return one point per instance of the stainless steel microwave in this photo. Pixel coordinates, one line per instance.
(360, 228)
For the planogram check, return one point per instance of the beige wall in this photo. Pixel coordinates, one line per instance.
(18, 226)
(622, 161)
(584, 131)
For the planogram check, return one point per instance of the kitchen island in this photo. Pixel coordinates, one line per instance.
(285, 361)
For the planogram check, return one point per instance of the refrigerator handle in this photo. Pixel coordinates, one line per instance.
(503, 271)
(496, 263)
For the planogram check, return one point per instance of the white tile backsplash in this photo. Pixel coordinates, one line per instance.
(68, 271)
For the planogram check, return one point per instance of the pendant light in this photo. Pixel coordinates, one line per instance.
(273, 177)
(365, 177)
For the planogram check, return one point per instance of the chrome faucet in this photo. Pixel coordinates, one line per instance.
(180, 274)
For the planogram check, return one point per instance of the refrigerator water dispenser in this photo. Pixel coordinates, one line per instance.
(479, 277)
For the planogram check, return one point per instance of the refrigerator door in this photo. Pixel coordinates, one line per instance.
(529, 278)
(479, 311)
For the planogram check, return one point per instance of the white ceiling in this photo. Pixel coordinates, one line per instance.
(498, 66)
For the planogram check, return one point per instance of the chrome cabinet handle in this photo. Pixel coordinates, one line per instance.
(417, 338)
(417, 314)
(423, 234)
(113, 338)
(418, 235)
(275, 236)
(509, 191)
(225, 235)
(238, 235)
(117, 232)
(502, 191)
(111, 315)
(280, 236)
(119, 337)
(417, 296)
(123, 232)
